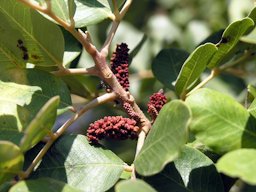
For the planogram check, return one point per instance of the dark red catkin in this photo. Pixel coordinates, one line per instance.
(119, 65)
(113, 127)
(155, 104)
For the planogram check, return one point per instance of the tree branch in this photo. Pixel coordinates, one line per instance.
(98, 101)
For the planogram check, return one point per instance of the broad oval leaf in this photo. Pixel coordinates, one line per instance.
(229, 40)
(192, 171)
(74, 161)
(43, 185)
(220, 122)
(22, 40)
(167, 64)
(133, 185)
(194, 66)
(240, 163)
(20, 108)
(11, 160)
(41, 125)
(165, 140)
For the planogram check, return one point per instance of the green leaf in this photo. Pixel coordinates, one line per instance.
(90, 12)
(73, 160)
(22, 40)
(240, 163)
(194, 66)
(41, 125)
(133, 185)
(167, 64)
(11, 160)
(16, 93)
(84, 86)
(164, 142)
(220, 122)
(252, 90)
(14, 118)
(42, 185)
(252, 108)
(229, 40)
(71, 8)
(191, 171)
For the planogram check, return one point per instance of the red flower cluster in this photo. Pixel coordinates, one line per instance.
(114, 127)
(128, 108)
(155, 104)
(119, 65)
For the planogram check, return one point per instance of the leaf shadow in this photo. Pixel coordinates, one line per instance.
(9, 129)
(54, 164)
(175, 180)
(94, 4)
(248, 139)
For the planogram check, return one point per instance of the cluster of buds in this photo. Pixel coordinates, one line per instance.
(155, 104)
(119, 65)
(113, 127)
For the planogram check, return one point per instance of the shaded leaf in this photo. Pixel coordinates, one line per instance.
(191, 171)
(133, 185)
(167, 64)
(11, 160)
(240, 163)
(41, 125)
(229, 39)
(220, 122)
(42, 185)
(22, 40)
(194, 66)
(165, 140)
(74, 161)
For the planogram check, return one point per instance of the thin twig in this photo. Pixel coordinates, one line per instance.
(213, 74)
(98, 101)
(77, 71)
(118, 17)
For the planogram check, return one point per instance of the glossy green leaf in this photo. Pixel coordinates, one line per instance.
(192, 171)
(164, 142)
(167, 64)
(220, 122)
(133, 185)
(41, 125)
(90, 12)
(23, 40)
(11, 160)
(240, 163)
(14, 118)
(42, 185)
(73, 160)
(229, 40)
(194, 66)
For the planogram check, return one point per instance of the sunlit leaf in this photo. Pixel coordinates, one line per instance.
(220, 122)
(28, 37)
(41, 125)
(73, 160)
(166, 139)
(240, 163)
(11, 160)
(133, 185)
(194, 66)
